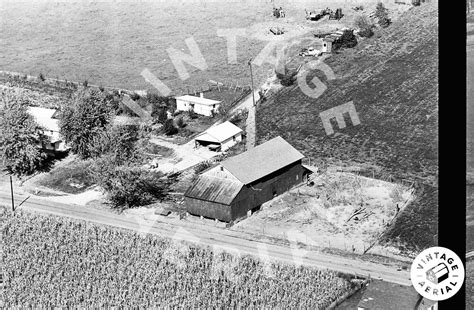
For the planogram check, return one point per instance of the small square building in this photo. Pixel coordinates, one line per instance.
(220, 138)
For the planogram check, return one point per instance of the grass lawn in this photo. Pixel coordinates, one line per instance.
(160, 150)
(72, 177)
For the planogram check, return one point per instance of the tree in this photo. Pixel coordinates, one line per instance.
(287, 78)
(134, 96)
(128, 186)
(261, 95)
(180, 122)
(222, 110)
(347, 40)
(162, 116)
(81, 121)
(201, 167)
(192, 114)
(365, 27)
(19, 138)
(169, 128)
(381, 13)
(117, 142)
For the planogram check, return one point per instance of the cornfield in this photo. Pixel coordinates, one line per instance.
(55, 262)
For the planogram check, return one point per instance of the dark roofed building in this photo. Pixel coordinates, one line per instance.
(262, 160)
(244, 182)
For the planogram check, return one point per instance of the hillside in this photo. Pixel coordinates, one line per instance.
(392, 79)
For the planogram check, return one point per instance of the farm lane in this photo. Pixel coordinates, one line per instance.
(214, 236)
(186, 156)
(250, 124)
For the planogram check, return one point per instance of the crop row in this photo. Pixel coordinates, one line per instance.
(53, 262)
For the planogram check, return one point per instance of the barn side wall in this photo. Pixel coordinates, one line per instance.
(208, 209)
(263, 190)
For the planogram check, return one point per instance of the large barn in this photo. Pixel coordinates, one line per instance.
(244, 182)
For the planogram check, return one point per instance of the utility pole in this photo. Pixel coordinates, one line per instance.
(251, 79)
(11, 188)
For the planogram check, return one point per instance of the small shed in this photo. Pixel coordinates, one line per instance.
(220, 137)
(327, 45)
(199, 105)
(48, 126)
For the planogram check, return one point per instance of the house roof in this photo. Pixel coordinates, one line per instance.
(262, 160)
(214, 189)
(219, 133)
(44, 118)
(198, 100)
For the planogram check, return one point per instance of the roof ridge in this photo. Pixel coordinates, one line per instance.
(221, 178)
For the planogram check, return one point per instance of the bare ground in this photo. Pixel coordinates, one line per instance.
(341, 210)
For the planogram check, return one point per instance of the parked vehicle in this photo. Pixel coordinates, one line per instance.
(310, 51)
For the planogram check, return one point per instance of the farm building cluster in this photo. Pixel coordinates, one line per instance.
(230, 190)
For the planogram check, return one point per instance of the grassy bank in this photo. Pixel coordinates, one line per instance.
(392, 80)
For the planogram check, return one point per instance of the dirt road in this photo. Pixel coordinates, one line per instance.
(211, 236)
(185, 156)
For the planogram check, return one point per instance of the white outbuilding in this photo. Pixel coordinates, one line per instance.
(220, 138)
(48, 126)
(199, 105)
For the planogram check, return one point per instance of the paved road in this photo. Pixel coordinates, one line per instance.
(211, 236)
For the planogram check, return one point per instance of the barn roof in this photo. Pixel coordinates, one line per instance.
(210, 188)
(219, 133)
(262, 160)
(198, 100)
(44, 118)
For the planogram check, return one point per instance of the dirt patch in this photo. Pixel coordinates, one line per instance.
(341, 210)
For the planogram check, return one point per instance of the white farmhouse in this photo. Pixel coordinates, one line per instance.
(220, 137)
(49, 127)
(199, 105)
